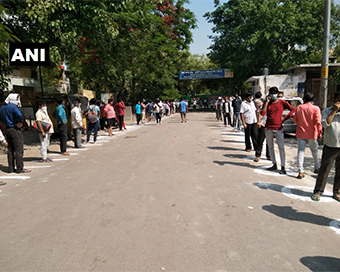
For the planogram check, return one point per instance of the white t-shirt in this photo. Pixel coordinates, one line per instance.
(249, 112)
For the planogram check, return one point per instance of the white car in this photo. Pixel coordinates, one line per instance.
(289, 126)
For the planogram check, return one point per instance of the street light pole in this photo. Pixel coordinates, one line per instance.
(325, 55)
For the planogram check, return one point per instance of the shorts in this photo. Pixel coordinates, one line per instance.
(183, 114)
(111, 122)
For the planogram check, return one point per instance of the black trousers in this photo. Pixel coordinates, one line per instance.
(15, 149)
(260, 139)
(251, 132)
(121, 120)
(329, 155)
(226, 116)
(103, 122)
(63, 137)
(139, 117)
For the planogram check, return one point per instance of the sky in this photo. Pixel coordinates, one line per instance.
(203, 30)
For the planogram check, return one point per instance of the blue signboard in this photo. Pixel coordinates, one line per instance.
(204, 74)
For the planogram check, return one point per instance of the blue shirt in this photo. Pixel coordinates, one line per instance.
(60, 115)
(183, 106)
(138, 109)
(10, 115)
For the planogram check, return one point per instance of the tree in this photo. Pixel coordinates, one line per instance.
(276, 34)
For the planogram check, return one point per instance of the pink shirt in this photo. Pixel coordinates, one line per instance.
(110, 113)
(308, 120)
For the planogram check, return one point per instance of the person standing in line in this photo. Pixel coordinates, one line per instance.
(330, 121)
(92, 116)
(280, 95)
(150, 110)
(5, 144)
(249, 121)
(236, 103)
(218, 106)
(138, 108)
(261, 126)
(231, 111)
(309, 129)
(41, 116)
(13, 119)
(226, 111)
(103, 119)
(158, 111)
(77, 123)
(183, 107)
(110, 115)
(274, 108)
(143, 110)
(60, 115)
(119, 108)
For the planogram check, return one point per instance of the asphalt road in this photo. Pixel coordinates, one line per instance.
(174, 197)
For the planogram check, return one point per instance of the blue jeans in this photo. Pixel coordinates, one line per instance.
(313, 145)
(92, 127)
(237, 119)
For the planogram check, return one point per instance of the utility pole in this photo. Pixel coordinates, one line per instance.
(325, 55)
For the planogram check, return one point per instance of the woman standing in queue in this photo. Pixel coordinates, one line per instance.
(119, 108)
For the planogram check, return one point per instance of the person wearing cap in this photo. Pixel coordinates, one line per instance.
(13, 119)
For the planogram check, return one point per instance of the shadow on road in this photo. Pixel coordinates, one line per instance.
(278, 188)
(224, 148)
(321, 263)
(243, 164)
(289, 213)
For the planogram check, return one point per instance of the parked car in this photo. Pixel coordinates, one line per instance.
(289, 126)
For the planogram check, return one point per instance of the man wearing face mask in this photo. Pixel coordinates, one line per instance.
(13, 119)
(274, 108)
(60, 115)
(41, 116)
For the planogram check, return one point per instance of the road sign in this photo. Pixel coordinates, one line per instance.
(205, 74)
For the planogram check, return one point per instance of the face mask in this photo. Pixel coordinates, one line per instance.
(79, 105)
(273, 96)
(63, 105)
(44, 109)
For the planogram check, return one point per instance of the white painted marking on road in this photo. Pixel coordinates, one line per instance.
(305, 193)
(262, 159)
(60, 159)
(15, 177)
(335, 225)
(100, 141)
(72, 154)
(78, 149)
(211, 176)
(39, 166)
(92, 144)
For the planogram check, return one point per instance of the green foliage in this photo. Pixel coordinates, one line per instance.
(110, 46)
(253, 34)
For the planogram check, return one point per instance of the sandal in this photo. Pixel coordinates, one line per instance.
(315, 197)
(2, 183)
(336, 197)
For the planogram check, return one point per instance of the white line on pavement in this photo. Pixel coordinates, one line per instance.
(14, 177)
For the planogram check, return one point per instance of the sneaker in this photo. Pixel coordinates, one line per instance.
(257, 159)
(300, 175)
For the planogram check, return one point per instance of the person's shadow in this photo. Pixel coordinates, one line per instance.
(289, 213)
(321, 263)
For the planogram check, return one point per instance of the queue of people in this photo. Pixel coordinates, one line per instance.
(263, 119)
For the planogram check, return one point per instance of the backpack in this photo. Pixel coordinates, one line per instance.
(92, 115)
